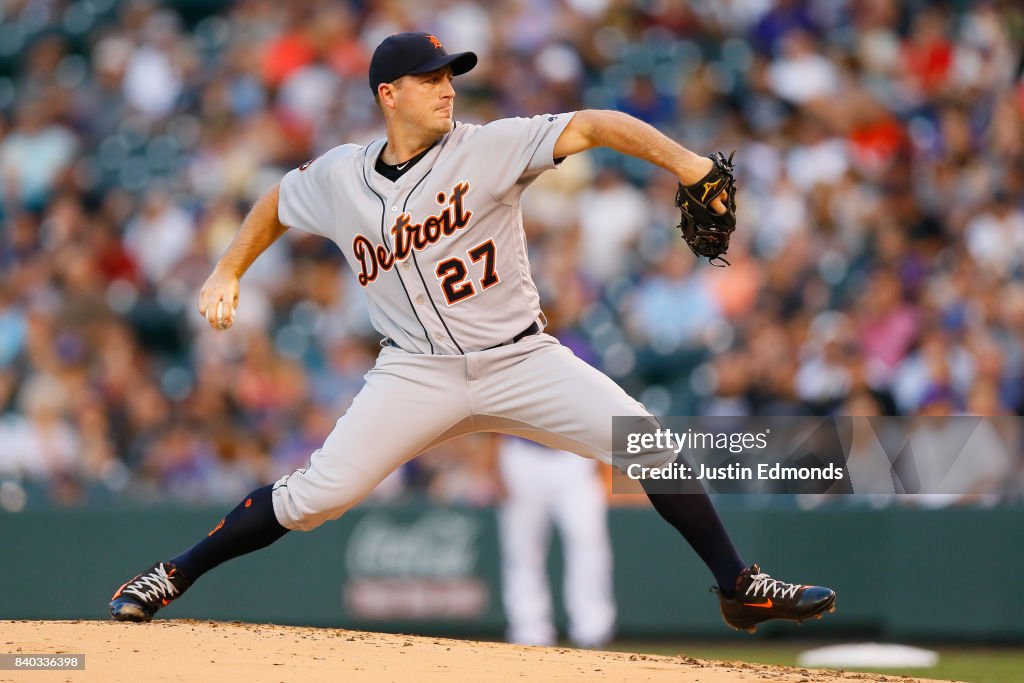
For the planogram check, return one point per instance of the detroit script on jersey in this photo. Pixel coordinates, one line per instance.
(407, 235)
(440, 252)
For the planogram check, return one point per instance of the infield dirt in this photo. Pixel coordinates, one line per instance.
(187, 650)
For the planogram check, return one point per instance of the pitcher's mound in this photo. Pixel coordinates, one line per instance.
(187, 650)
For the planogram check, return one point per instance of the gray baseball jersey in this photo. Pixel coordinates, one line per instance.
(442, 255)
(441, 252)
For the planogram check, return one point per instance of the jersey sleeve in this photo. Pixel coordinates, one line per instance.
(304, 200)
(518, 150)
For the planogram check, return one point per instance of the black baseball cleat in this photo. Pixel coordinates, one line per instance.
(153, 589)
(759, 598)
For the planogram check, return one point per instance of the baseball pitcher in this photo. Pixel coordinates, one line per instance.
(429, 221)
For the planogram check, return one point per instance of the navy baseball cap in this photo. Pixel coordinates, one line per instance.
(414, 53)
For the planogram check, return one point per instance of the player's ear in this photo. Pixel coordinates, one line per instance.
(386, 93)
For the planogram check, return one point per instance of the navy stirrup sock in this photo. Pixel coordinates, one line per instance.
(693, 515)
(250, 526)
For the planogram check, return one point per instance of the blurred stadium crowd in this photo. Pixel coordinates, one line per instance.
(879, 267)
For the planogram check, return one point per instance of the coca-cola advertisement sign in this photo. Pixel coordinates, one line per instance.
(419, 569)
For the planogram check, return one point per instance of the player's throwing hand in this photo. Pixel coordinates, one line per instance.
(218, 300)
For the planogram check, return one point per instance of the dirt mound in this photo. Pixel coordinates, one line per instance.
(187, 650)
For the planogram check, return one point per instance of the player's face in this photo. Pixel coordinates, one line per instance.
(427, 100)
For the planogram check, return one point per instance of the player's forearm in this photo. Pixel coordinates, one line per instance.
(628, 135)
(259, 230)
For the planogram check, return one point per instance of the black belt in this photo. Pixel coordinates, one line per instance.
(532, 329)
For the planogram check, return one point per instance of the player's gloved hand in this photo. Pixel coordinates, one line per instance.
(707, 209)
(218, 299)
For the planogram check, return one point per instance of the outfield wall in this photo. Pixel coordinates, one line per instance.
(899, 573)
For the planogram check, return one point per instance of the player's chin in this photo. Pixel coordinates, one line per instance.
(444, 126)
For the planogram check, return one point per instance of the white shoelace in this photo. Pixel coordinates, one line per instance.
(766, 586)
(153, 586)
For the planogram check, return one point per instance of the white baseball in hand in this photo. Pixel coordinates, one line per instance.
(222, 322)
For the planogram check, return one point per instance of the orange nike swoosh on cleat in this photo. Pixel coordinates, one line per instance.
(766, 605)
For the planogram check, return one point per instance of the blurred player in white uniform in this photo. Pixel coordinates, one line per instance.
(547, 487)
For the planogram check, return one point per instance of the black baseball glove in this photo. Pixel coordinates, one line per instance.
(706, 232)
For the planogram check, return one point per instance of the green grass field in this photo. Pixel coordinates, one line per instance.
(971, 664)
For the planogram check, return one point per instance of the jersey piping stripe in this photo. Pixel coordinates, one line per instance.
(416, 263)
(387, 245)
